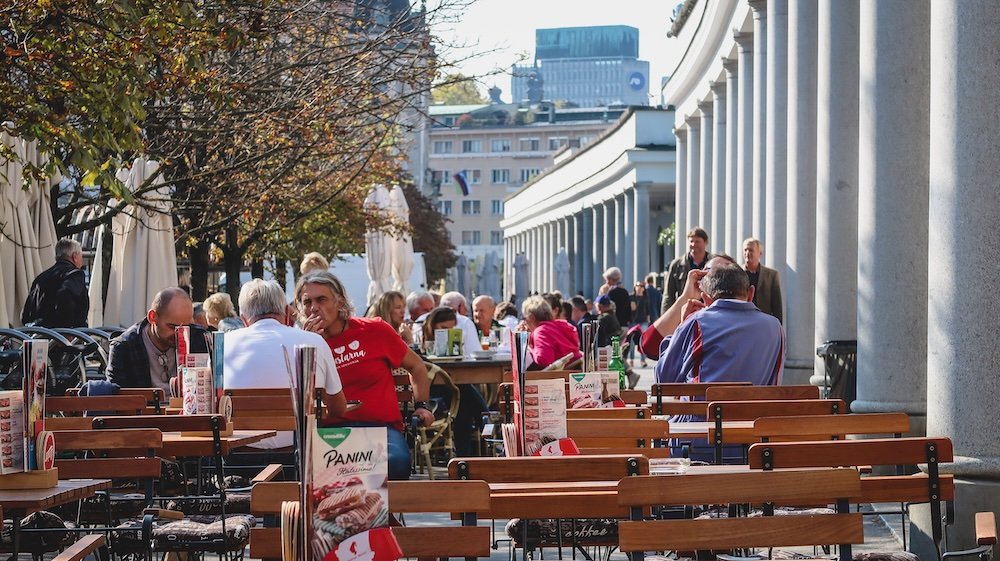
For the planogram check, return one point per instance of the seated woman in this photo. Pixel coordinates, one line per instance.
(550, 339)
(365, 351)
(220, 312)
(391, 307)
(471, 404)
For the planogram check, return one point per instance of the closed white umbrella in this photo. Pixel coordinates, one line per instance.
(377, 246)
(18, 241)
(562, 269)
(401, 256)
(521, 272)
(143, 260)
(489, 276)
(40, 199)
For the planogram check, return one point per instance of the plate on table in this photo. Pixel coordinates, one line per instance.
(483, 355)
(502, 356)
(433, 358)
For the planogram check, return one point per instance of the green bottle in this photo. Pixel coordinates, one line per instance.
(616, 364)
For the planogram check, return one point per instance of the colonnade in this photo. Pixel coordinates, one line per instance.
(826, 124)
(610, 232)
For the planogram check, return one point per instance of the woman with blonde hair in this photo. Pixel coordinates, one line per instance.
(391, 307)
(313, 261)
(220, 313)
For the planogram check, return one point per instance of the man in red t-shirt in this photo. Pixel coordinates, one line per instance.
(365, 351)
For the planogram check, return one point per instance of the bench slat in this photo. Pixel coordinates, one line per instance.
(80, 549)
(765, 531)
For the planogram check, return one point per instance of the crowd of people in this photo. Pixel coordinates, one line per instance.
(717, 321)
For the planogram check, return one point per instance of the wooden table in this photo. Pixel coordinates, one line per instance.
(18, 503)
(177, 444)
(705, 429)
(476, 371)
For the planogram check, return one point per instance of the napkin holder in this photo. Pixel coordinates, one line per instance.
(37, 479)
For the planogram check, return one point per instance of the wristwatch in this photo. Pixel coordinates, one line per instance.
(422, 405)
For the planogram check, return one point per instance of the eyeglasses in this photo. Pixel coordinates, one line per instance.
(162, 359)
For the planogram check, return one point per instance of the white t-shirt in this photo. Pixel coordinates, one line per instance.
(253, 359)
(470, 335)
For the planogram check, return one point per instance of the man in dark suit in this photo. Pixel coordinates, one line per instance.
(764, 279)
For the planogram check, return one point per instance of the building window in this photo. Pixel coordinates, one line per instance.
(471, 237)
(500, 176)
(584, 140)
(496, 207)
(496, 237)
(557, 142)
(475, 176)
(441, 176)
(500, 145)
(470, 208)
(527, 174)
(472, 146)
(442, 147)
(444, 207)
(529, 144)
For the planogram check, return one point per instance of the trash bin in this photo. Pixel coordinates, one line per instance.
(841, 369)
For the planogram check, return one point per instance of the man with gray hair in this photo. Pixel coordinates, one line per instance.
(723, 337)
(254, 357)
(58, 296)
(470, 336)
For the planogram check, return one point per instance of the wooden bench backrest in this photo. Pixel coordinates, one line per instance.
(551, 468)
(609, 413)
(166, 423)
(791, 487)
(634, 397)
(404, 496)
(130, 448)
(751, 410)
(672, 391)
(746, 393)
(826, 427)
(263, 412)
(616, 432)
(125, 404)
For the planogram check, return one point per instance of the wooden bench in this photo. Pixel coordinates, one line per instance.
(830, 427)
(747, 393)
(81, 548)
(619, 436)
(838, 486)
(675, 391)
(609, 413)
(155, 398)
(462, 498)
(720, 411)
(73, 409)
(931, 487)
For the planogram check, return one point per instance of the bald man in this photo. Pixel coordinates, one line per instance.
(145, 355)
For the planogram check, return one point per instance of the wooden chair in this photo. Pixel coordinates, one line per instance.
(610, 413)
(682, 390)
(561, 488)
(748, 393)
(155, 398)
(721, 411)
(830, 427)
(619, 436)
(77, 412)
(931, 487)
(838, 486)
(461, 498)
(440, 435)
(81, 548)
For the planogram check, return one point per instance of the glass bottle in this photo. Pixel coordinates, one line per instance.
(616, 364)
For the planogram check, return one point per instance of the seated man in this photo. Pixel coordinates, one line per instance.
(254, 357)
(728, 339)
(145, 355)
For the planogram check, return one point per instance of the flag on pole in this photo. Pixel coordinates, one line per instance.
(462, 183)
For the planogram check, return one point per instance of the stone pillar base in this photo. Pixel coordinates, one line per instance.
(796, 375)
(971, 496)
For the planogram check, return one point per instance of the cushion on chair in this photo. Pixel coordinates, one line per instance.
(236, 503)
(886, 556)
(181, 535)
(38, 541)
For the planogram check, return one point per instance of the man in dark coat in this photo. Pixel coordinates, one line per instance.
(58, 296)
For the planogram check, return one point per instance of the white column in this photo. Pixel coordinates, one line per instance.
(799, 283)
(534, 262)
(610, 233)
(576, 256)
(505, 267)
(680, 184)
(704, 210)
(720, 164)
(569, 243)
(963, 311)
(600, 240)
(587, 251)
(640, 220)
(548, 243)
(619, 239)
(693, 184)
(626, 254)
(731, 158)
(745, 138)
(776, 165)
(759, 116)
(892, 206)
(836, 174)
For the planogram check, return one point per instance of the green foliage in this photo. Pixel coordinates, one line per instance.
(668, 235)
(457, 89)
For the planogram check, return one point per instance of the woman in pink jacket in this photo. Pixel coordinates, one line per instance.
(550, 339)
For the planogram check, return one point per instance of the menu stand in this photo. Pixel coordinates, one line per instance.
(37, 479)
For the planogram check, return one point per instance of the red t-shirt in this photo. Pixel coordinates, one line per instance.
(365, 354)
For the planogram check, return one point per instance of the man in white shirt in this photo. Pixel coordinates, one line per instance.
(470, 336)
(254, 357)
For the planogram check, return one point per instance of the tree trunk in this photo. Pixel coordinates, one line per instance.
(280, 272)
(233, 255)
(257, 268)
(198, 258)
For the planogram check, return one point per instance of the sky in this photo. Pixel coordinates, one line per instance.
(503, 29)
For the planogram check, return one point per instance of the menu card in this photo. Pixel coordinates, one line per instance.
(544, 404)
(34, 356)
(12, 431)
(591, 390)
(199, 393)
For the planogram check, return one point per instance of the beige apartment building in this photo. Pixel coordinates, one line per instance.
(499, 147)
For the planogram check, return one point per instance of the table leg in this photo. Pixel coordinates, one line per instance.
(16, 535)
